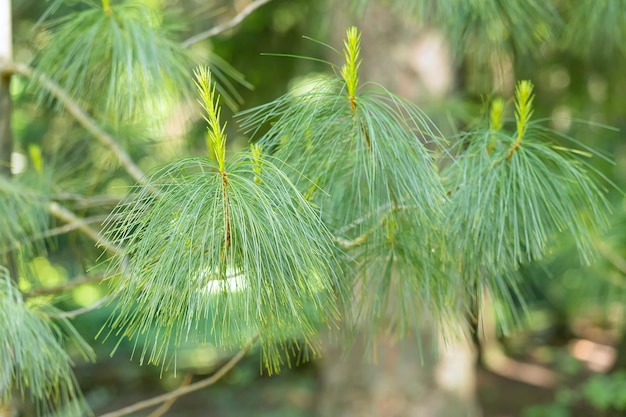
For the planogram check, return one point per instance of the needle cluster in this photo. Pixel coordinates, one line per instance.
(118, 61)
(371, 157)
(220, 253)
(32, 359)
(510, 198)
(23, 215)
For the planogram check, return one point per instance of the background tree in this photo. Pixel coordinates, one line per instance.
(353, 207)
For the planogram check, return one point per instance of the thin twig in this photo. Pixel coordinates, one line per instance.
(80, 115)
(61, 230)
(84, 202)
(168, 404)
(73, 283)
(67, 216)
(187, 389)
(74, 313)
(349, 244)
(216, 30)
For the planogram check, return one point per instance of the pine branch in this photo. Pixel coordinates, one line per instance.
(66, 215)
(184, 390)
(225, 26)
(80, 115)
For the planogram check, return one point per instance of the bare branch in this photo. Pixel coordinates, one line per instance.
(216, 30)
(61, 230)
(186, 389)
(349, 244)
(71, 226)
(84, 202)
(72, 283)
(73, 313)
(168, 404)
(67, 216)
(80, 115)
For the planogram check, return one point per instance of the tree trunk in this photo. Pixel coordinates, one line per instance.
(6, 133)
(402, 383)
(414, 63)
(8, 409)
(6, 55)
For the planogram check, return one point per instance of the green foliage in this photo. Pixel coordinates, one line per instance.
(602, 391)
(513, 197)
(607, 391)
(357, 213)
(550, 410)
(120, 62)
(222, 252)
(23, 215)
(375, 181)
(608, 22)
(513, 193)
(32, 359)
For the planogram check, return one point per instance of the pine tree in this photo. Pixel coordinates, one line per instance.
(350, 205)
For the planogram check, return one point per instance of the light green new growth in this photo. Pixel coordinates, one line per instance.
(106, 6)
(36, 158)
(216, 137)
(496, 111)
(523, 111)
(350, 70)
(255, 150)
(495, 114)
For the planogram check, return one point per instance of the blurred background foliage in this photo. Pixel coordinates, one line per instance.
(574, 52)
